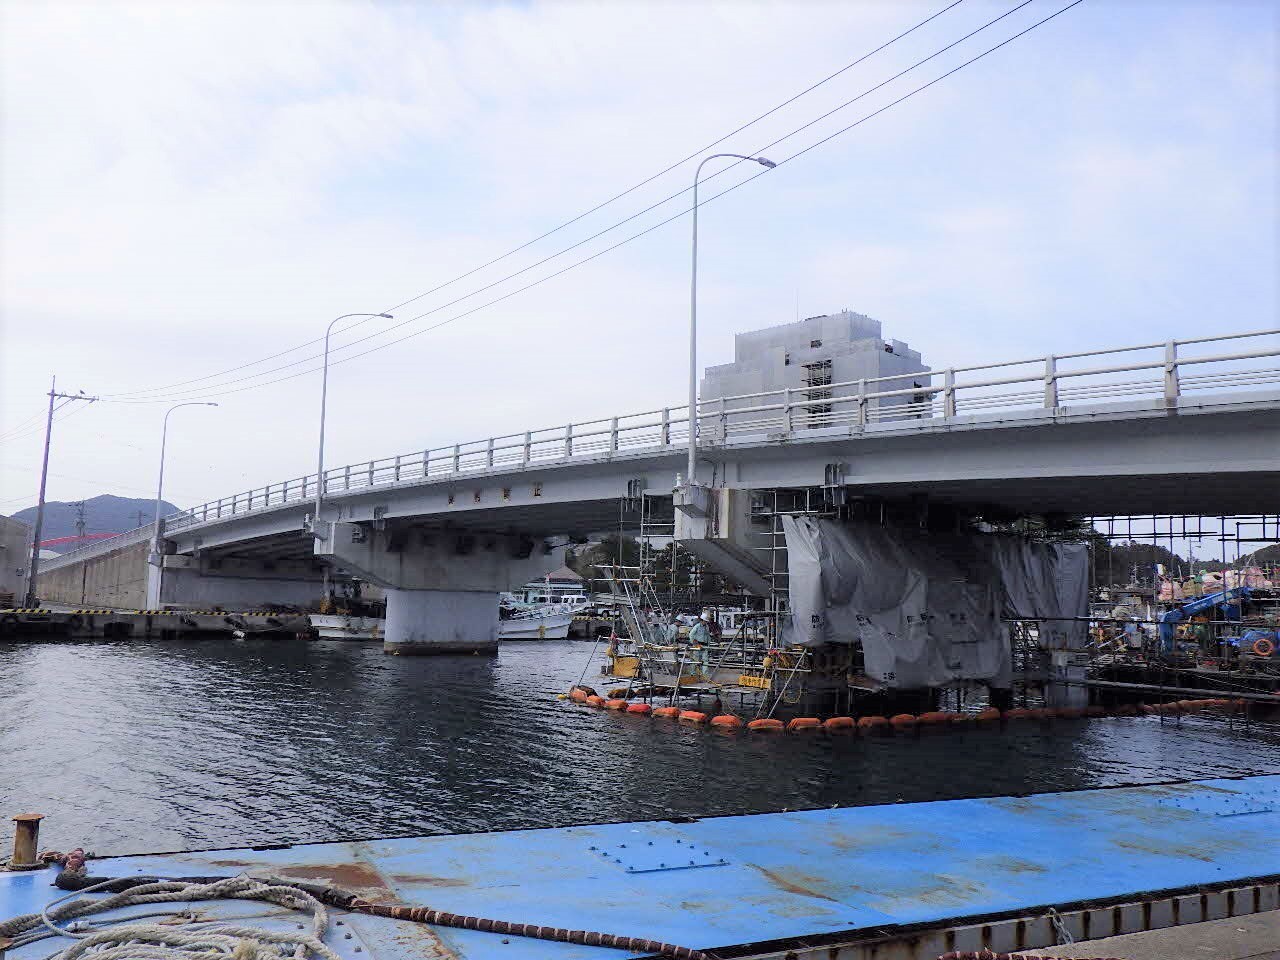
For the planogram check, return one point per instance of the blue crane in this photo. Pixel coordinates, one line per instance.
(1223, 598)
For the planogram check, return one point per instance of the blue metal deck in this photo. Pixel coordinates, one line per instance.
(762, 877)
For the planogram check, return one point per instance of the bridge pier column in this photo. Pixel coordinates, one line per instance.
(426, 622)
(442, 585)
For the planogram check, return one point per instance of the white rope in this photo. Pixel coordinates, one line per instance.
(185, 937)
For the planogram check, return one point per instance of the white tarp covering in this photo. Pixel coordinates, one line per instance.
(926, 607)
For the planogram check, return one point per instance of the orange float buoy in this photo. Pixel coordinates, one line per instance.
(935, 718)
(838, 723)
(640, 708)
(873, 724)
(804, 723)
(726, 721)
(578, 695)
(667, 712)
(988, 715)
(615, 704)
(903, 721)
(1262, 647)
(766, 724)
(594, 701)
(692, 716)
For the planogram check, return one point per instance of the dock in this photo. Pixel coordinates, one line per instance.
(891, 882)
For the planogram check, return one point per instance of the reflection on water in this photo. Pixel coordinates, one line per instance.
(161, 746)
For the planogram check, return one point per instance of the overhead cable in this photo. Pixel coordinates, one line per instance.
(627, 240)
(573, 220)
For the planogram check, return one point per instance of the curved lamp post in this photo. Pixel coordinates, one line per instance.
(693, 312)
(324, 395)
(159, 524)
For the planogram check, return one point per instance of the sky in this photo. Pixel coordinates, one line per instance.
(186, 188)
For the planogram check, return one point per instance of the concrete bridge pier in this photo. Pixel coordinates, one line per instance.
(442, 585)
(425, 622)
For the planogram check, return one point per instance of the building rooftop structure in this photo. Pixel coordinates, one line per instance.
(821, 358)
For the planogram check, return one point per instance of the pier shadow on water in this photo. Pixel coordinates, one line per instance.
(132, 747)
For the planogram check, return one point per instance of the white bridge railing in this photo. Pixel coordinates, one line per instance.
(1161, 371)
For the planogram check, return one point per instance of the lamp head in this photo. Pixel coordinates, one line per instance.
(386, 316)
(764, 163)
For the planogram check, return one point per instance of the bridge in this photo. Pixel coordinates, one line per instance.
(1189, 426)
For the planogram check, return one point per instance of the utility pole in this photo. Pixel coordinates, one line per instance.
(33, 569)
(80, 524)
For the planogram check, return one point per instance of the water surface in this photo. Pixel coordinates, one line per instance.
(149, 746)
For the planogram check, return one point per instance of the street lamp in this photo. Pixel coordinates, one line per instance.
(693, 312)
(159, 528)
(324, 395)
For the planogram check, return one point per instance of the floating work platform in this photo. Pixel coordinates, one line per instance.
(35, 623)
(890, 882)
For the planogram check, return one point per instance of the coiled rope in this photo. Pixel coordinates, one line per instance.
(220, 940)
(192, 939)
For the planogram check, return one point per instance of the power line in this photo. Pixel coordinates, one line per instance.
(570, 222)
(639, 234)
(132, 398)
(36, 430)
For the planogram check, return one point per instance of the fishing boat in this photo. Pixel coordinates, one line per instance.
(340, 626)
(540, 622)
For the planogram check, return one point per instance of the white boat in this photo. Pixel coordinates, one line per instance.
(544, 622)
(337, 626)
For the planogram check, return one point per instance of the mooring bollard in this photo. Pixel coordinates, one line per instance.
(26, 839)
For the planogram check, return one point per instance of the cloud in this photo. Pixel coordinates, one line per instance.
(189, 186)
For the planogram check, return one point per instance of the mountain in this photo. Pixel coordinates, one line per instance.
(104, 514)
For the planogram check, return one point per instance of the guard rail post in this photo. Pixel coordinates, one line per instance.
(666, 426)
(862, 403)
(568, 440)
(489, 453)
(787, 424)
(528, 447)
(1172, 387)
(949, 393)
(613, 435)
(397, 468)
(724, 423)
(426, 462)
(346, 477)
(457, 458)
(1051, 382)
(371, 473)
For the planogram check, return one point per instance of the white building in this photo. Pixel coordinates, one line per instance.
(15, 558)
(820, 360)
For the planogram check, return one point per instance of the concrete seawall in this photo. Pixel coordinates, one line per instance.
(114, 579)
